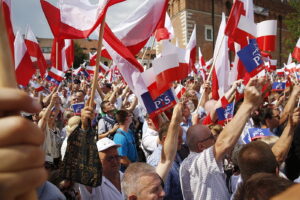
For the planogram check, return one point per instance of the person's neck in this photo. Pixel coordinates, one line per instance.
(114, 178)
(124, 127)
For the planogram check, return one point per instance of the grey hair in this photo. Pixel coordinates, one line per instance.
(130, 182)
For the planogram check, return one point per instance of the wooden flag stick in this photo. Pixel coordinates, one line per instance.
(96, 73)
(7, 76)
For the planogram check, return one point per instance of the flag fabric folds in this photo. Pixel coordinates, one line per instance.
(63, 20)
(23, 65)
(6, 9)
(35, 51)
(266, 35)
(55, 76)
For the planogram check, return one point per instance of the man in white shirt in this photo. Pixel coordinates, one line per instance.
(201, 173)
(110, 187)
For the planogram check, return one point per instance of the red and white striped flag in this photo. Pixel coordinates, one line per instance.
(179, 91)
(37, 87)
(167, 32)
(23, 65)
(63, 20)
(35, 51)
(266, 35)
(192, 48)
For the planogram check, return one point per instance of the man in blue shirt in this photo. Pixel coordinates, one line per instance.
(125, 137)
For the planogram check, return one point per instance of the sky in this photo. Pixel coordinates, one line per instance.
(29, 12)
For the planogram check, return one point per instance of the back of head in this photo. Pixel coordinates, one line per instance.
(256, 157)
(130, 182)
(262, 186)
(121, 116)
(195, 134)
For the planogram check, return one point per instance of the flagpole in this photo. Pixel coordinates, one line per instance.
(96, 73)
(8, 78)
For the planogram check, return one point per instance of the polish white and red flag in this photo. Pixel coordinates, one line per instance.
(220, 74)
(272, 65)
(166, 71)
(180, 90)
(266, 35)
(90, 69)
(37, 87)
(183, 58)
(54, 75)
(167, 32)
(35, 51)
(104, 69)
(69, 52)
(192, 48)
(6, 9)
(137, 28)
(201, 59)
(280, 72)
(92, 59)
(77, 71)
(64, 18)
(296, 52)
(23, 64)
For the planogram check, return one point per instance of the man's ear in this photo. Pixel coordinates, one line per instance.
(201, 147)
(132, 197)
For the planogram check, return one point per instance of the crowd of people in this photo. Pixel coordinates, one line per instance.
(70, 146)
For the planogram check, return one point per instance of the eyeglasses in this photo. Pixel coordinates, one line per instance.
(211, 136)
(111, 158)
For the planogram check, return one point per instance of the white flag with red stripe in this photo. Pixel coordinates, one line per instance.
(180, 90)
(167, 32)
(75, 19)
(23, 65)
(35, 51)
(266, 35)
(192, 48)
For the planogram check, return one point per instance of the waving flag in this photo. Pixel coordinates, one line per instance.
(251, 58)
(192, 48)
(221, 70)
(37, 87)
(167, 32)
(55, 76)
(63, 20)
(69, 52)
(296, 52)
(278, 86)
(35, 51)
(6, 9)
(136, 29)
(266, 35)
(255, 133)
(179, 91)
(225, 114)
(77, 108)
(166, 71)
(23, 65)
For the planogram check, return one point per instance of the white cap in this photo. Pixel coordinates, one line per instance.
(106, 143)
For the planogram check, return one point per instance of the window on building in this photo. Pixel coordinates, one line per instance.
(46, 49)
(208, 33)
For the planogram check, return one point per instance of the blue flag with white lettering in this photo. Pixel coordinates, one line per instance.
(278, 86)
(225, 113)
(254, 133)
(251, 58)
(163, 102)
(77, 108)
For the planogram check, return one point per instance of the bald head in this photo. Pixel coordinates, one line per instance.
(196, 134)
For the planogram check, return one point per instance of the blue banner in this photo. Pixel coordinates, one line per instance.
(254, 133)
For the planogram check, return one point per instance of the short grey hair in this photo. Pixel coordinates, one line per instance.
(130, 181)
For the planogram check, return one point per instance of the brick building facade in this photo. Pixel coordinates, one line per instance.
(207, 14)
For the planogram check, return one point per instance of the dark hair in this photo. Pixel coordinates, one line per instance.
(264, 114)
(81, 92)
(76, 81)
(256, 157)
(262, 186)
(163, 130)
(121, 116)
(103, 105)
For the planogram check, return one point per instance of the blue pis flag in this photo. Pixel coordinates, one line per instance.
(52, 80)
(278, 86)
(164, 102)
(225, 114)
(251, 58)
(255, 133)
(77, 108)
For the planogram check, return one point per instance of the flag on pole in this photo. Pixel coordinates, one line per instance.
(55, 76)
(225, 114)
(63, 19)
(35, 51)
(266, 35)
(192, 48)
(179, 91)
(23, 65)
(37, 87)
(278, 86)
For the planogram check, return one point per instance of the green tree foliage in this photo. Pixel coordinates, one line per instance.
(292, 22)
(79, 55)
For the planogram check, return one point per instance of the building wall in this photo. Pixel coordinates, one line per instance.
(206, 14)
